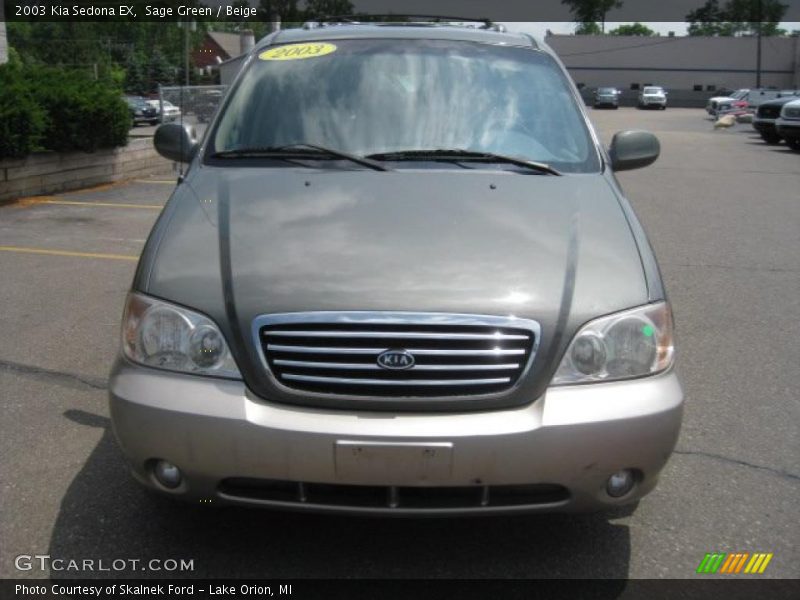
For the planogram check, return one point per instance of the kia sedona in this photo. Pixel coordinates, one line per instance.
(399, 277)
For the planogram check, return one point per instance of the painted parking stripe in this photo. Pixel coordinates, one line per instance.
(161, 181)
(110, 204)
(24, 250)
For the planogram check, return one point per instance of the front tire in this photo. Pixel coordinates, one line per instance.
(770, 138)
(793, 143)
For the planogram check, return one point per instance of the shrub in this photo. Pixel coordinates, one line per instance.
(22, 120)
(83, 114)
(67, 110)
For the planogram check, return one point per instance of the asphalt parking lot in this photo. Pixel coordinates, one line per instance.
(723, 213)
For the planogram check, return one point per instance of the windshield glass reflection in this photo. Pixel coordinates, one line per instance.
(376, 96)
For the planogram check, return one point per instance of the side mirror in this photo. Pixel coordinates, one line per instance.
(176, 142)
(633, 150)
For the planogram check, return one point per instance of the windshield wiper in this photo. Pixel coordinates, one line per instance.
(298, 151)
(457, 155)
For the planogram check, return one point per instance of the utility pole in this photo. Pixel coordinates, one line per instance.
(186, 26)
(758, 47)
(186, 53)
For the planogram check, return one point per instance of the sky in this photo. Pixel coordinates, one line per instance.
(539, 29)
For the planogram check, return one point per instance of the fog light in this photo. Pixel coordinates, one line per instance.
(620, 483)
(167, 474)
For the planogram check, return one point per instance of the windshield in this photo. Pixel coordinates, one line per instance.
(653, 90)
(371, 96)
(606, 91)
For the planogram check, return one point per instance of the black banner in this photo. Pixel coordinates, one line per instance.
(412, 589)
(253, 10)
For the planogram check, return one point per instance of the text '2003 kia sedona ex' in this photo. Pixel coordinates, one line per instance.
(399, 277)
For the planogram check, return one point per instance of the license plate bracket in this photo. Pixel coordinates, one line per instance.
(393, 463)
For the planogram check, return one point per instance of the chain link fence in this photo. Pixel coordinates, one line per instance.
(193, 104)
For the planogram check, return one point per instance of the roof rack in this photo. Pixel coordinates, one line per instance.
(368, 19)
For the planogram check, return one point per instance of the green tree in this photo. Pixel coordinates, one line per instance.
(291, 14)
(591, 11)
(328, 8)
(588, 28)
(633, 29)
(737, 17)
(287, 10)
(150, 52)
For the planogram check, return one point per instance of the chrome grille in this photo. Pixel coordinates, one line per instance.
(453, 355)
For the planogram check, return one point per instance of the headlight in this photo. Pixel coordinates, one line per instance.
(629, 344)
(158, 334)
(791, 112)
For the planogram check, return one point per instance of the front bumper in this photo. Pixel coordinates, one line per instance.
(606, 101)
(571, 439)
(764, 125)
(653, 101)
(788, 128)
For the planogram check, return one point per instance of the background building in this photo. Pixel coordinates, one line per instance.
(217, 47)
(689, 67)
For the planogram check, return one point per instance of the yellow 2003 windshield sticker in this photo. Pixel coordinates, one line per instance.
(297, 51)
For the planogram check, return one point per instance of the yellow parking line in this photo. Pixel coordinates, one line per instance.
(170, 182)
(111, 204)
(68, 253)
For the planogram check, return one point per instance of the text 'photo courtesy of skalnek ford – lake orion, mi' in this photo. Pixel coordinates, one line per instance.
(347, 296)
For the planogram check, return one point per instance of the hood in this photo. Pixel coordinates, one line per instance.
(445, 240)
(552, 249)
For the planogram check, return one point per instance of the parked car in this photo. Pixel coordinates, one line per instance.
(765, 117)
(171, 112)
(141, 111)
(206, 103)
(381, 291)
(713, 103)
(653, 96)
(757, 97)
(731, 106)
(606, 96)
(788, 124)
